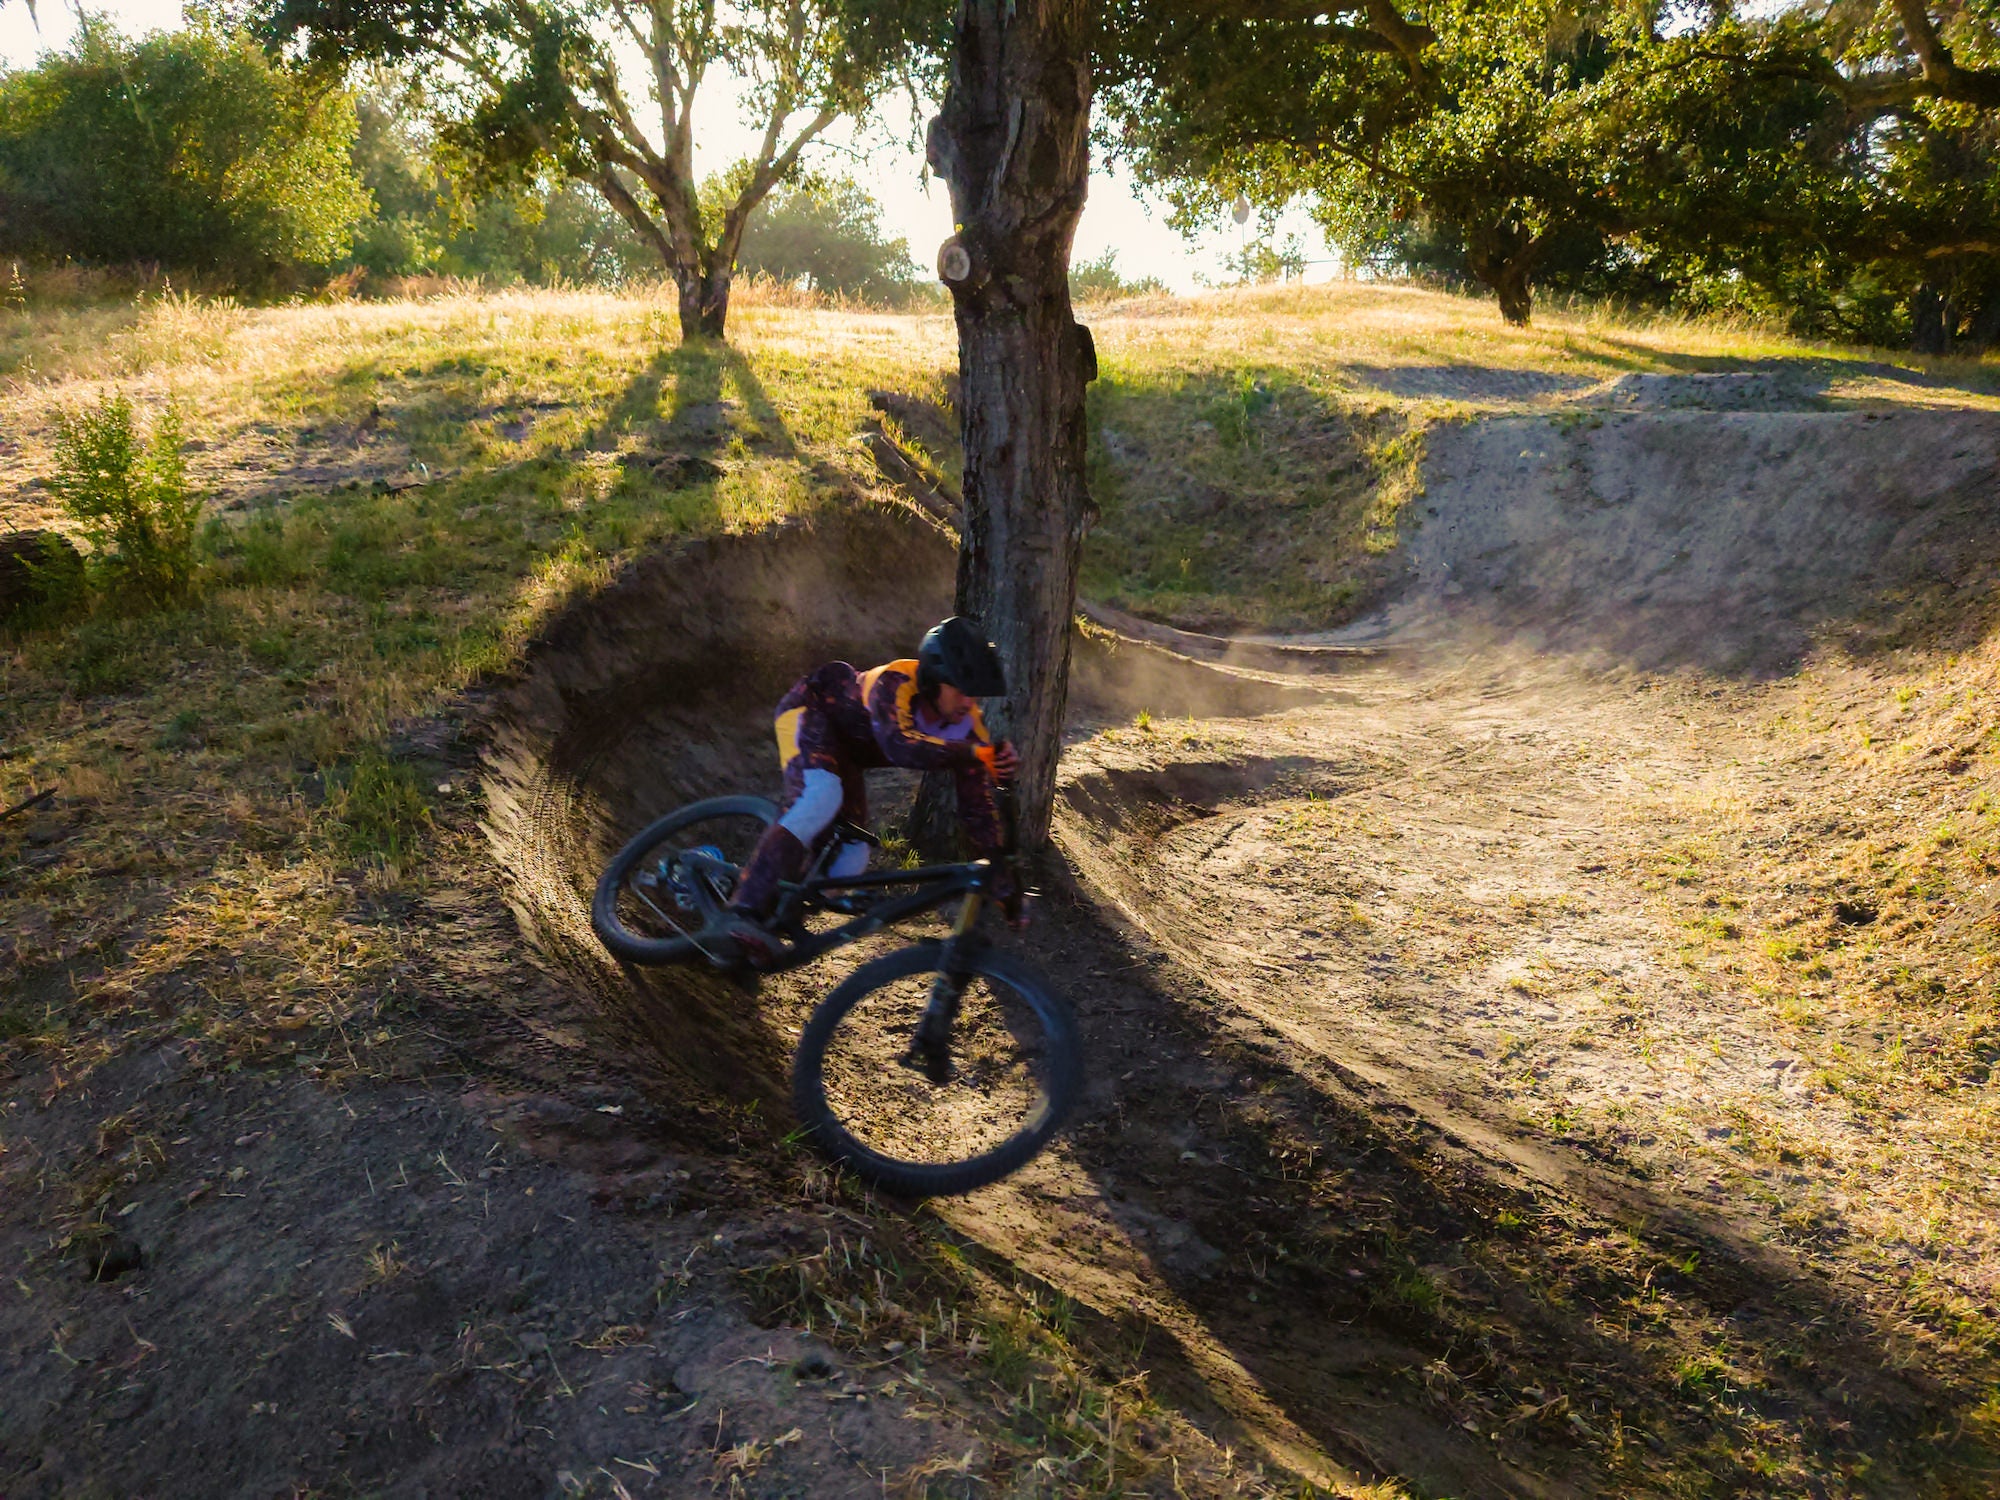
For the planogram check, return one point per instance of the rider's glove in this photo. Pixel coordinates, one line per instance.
(1000, 760)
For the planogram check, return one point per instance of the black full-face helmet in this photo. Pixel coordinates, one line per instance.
(957, 651)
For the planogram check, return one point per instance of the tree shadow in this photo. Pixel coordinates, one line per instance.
(1804, 377)
(1420, 1311)
(681, 395)
(1465, 382)
(769, 425)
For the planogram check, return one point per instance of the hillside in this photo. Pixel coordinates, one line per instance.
(1548, 1056)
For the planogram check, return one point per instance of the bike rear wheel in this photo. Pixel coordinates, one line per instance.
(1018, 1072)
(675, 877)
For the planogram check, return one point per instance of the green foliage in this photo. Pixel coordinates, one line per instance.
(1099, 281)
(191, 149)
(1796, 167)
(431, 218)
(1492, 137)
(825, 232)
(130, 496)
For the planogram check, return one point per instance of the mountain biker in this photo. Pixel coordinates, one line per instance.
(835, 723)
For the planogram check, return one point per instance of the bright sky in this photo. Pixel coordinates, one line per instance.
(1116, 217)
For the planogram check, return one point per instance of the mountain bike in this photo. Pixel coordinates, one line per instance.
(933, 1070)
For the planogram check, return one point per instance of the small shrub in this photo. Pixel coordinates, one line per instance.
(130, 497)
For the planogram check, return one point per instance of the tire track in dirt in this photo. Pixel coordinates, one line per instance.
(1333, 1181)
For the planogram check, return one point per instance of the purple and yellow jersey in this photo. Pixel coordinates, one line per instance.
(890, 692)
(843, 721)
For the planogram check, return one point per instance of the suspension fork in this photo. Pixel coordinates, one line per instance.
(930, 1047)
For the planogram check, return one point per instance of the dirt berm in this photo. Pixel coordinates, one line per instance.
(1721, 539)
(1379, 1167)
(659, 691)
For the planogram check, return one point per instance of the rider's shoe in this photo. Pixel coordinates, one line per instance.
(754, 943)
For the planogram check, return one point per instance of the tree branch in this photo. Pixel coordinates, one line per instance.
(1937, 76)
(1406, 37)
(630, 210)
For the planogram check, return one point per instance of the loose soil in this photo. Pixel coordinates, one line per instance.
(1490, 1093)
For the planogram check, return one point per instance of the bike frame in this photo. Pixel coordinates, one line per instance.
(937, 886)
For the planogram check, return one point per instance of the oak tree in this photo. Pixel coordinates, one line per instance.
(605, 92)
(1013, 142)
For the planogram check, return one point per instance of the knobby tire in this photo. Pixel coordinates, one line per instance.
(943, 1179)
(621, 940)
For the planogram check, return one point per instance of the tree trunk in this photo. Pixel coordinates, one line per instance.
(1505, 261)
(1013, 142)
(1517, 300)
(704, 301)
(1930, 321)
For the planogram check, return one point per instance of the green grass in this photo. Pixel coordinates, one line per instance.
(234, 787)
(1237, 497)
(222, 757)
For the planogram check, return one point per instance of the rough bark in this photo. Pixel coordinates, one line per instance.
(1517, 298)
(1505, 261)
(1930, 321)
(704, 301)
(1013, 143)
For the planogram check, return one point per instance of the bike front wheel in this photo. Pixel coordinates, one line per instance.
(675, 878)
(1016, 1073)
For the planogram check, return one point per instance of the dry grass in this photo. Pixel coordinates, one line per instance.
(243, 813)
(226, 804)
(1356, 336)
(1858, 876)
(234, 809)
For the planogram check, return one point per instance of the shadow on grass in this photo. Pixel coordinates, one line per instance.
(679, 397)
(1807, 377)
(1465, 382)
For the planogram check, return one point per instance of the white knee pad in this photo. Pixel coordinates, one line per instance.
(817, 807)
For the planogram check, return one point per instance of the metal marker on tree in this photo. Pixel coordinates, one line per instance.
(1013, 142)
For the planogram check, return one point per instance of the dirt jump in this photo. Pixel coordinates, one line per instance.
(1436, 1132)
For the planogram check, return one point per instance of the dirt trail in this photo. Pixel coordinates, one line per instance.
(1416, 1145)
(1722, 539)
(1450, 884)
